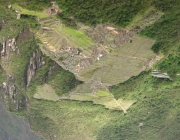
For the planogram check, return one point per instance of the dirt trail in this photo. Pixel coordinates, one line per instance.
(118, 104)
(133, 57)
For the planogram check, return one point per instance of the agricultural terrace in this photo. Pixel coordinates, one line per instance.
(29, 12)
(57, 32)
(129, 60)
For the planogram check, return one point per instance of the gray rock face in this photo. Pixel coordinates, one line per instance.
(8, 92)
(8, 45)
(18, 16)
(13, 127)
(52, 69)
(159, 74)
(36, 61)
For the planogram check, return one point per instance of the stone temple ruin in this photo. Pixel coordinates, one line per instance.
(110, 36)
(54, 9)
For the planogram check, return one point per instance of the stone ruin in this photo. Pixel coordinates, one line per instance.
(54, 9)
(113, 37)
(18, 16)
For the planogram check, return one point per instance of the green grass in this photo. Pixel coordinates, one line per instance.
(16, 64)
(79, 119)
(123, 63)
(140, 47)
(166, 30)
(83, 97)
(150, 16)
(2, 75)
(157, 100)
(12, 27)
(46, 92)
(33, 5)
(171, 68)
(63, 82)
(156, 105)
(75, 37)
(103, 93)
(29, 12)
(93, 12)
(19, 62)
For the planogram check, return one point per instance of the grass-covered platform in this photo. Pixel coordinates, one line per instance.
(46, 92)
(29, 12)
(127, 61)
(56, 32)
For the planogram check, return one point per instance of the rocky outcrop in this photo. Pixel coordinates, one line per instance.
(51, 71)
(2, 24)
(159, 74)
(36, 61)
(8, 45)
(24, 35)
(9, 93)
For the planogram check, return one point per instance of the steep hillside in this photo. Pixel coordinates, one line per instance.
(13, 127)
(121, 54)
(120, 12)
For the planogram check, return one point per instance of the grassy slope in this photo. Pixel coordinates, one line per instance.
(157, 100)
(157, 103)
(30, 12)
(34, 5)
(46, 92)
(166, 30)
(75, 38)
(123, 63)
(157, 107)
(16, 66)
(62, 81)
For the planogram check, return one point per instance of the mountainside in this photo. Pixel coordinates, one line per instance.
(13, 127)
(92, 70)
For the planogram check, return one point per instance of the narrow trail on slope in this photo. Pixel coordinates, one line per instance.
(118, 104)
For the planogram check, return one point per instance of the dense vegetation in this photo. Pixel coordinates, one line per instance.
(36, 5)
(166, 30)
(158, 100)
(171, 64)
(119, 12)
(61, 80)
